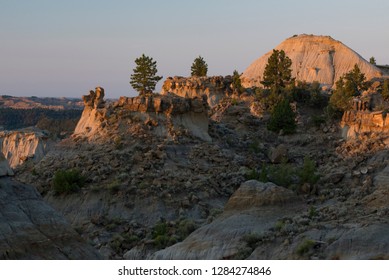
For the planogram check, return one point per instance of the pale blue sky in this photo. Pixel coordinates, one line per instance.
(65, 48)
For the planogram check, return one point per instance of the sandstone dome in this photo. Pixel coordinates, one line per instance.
(314, 58)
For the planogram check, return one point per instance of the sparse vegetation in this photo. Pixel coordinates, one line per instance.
(68, 181)
(236, 82)
(308, 173)
(305, 247)
(349, 85)
(199, 67)
(282, 118)
(385, 90)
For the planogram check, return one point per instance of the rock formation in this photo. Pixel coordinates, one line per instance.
(21, 145)
(31, 229)
(357, 122)
(254, 207)
(314, 58)
(94, 112)
(215, 88)
(364, 117)
(5, 169)
(163, 115)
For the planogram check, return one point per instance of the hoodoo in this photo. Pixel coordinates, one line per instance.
(314, 58)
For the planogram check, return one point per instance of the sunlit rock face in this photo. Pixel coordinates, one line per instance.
(21, 145)
(162, 115)
(314, 58)
(215, 88)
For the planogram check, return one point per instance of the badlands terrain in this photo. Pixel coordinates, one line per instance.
(194, 173)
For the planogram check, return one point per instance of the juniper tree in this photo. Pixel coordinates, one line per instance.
(277, 72)
(372, 60)
(199, 67)
(350, 84)
(236, 82)
(145, 76)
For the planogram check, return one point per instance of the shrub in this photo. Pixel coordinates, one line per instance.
(305, 247)
(385, 90)
(307, 173)
(282, 118)
(282, 174)
(68, 181)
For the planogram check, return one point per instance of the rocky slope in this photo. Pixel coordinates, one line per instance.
(31, 229)
(156, 190)
(22, 145)
(314, 58)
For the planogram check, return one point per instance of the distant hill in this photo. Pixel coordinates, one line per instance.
(314, 58)
(33, 102)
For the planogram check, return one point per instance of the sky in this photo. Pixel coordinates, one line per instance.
(63, 48)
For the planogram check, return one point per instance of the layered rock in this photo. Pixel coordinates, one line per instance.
(94, 113)
(163, 115)
(215, 88)
(357, 122)
(31, 229)
(21, 145)
(314, 58)
(253, 208)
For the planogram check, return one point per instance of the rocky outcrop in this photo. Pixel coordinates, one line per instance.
(314, 58)
(31, 229)
(215, 88)
(21, 145)
(162, 115)
(5, 169)
(357, 122)
(94, 113)
(252, 209)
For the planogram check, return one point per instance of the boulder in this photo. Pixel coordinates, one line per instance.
(254, 194)
(278, 154)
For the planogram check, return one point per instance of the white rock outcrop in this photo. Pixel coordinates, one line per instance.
(21, 145)
(314, 58)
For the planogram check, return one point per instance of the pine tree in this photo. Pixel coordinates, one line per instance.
(144, 78)
(199, 67)
(282, 117)
(349, 85)
(372, 60)
(385, 90)
(236, 82)
(277, 72)
(355, 81)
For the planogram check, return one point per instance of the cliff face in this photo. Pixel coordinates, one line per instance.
(215, 88)
(314, 58)
(162, 115)
(357, 122)
(18, 146)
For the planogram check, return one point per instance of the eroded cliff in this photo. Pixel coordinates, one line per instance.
(314, 58)
(214, 88)
(162, 115)
(21, 145)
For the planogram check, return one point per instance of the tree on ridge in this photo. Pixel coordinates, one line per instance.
(144, 78)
